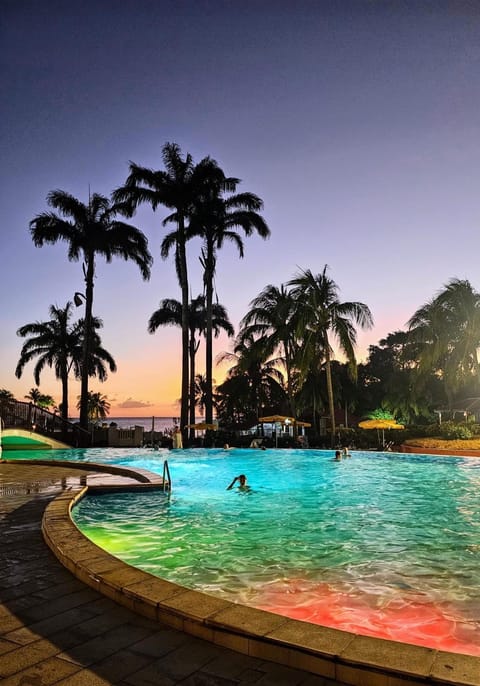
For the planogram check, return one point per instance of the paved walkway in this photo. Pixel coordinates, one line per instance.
(56, 630)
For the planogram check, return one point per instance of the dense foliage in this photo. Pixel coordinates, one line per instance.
(410, 375)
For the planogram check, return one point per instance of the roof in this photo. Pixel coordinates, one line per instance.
(469, 405)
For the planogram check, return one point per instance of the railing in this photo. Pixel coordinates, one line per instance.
(166, 472)
(16, 414)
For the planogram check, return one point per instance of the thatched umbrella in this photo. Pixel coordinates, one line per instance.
(380, 424)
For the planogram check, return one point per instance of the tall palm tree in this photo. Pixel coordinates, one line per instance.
(216, 219)
(55, 343)
(271, 319)
(447, 329)
(58, 344)
(89, 230)
(170, 314)
(321, 318)
(177, 188)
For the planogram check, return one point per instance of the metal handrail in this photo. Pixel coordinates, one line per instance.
(166, 471)
(17, 414)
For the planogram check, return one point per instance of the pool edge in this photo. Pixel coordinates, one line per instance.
(330, 653)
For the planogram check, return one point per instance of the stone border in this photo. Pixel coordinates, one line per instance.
(439, 452)
(331, 653)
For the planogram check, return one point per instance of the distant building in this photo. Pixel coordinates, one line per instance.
(467, 409)
(111, 436)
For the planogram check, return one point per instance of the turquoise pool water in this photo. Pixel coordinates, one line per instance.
(381, 544)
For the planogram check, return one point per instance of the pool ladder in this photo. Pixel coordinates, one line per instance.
(167, 484)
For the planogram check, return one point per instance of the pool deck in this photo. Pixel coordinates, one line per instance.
(72, 614)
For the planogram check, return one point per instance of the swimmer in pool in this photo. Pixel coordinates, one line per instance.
(242, 483)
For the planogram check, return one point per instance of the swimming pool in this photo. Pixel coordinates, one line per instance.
(380, 544)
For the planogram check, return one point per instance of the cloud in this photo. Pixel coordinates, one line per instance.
(130, 404)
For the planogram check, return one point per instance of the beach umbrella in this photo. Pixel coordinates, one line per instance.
(380, 424)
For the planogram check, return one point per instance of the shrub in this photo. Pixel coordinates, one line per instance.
(452, 431)
(475, 429)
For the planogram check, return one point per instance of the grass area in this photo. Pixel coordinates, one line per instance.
(444, 444)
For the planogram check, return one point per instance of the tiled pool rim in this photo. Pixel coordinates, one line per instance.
(330, 653)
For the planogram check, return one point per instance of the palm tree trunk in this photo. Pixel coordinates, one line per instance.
(331, 406)
(64, 413)
(87, 335)
(64, 381)
(192, 352)
(291, 396)
(183, 276)
(209, 335)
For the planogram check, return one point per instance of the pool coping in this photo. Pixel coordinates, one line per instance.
(330, 653)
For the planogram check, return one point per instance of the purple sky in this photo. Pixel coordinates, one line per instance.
(357, 123)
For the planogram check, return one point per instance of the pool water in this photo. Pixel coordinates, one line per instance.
(380, 544)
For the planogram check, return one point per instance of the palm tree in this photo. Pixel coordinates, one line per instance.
(45, 401)
(251, 384)
(34, 395)
(200, 391)
(447, 329)
(89, 230)
(58, 344)
(40, 399)
(177, 188)
(272, 320)
(321, 317)
(170, 313)
(216, 219)
(98, 406)
(6, 402)
(55, 343)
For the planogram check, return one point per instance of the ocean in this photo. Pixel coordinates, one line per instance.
(159, 423)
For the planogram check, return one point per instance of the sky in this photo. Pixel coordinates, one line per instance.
(357, 123)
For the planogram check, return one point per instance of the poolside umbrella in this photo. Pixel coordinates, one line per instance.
(202, 426)
(380, 424)
(276, 419)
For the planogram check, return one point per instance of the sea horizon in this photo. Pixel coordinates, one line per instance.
(159, 423)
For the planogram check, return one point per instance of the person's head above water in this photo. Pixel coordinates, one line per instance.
(242, 482)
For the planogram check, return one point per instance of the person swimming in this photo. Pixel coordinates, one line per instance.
(242, 483)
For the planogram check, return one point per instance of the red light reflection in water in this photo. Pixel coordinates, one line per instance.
(406, 618)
